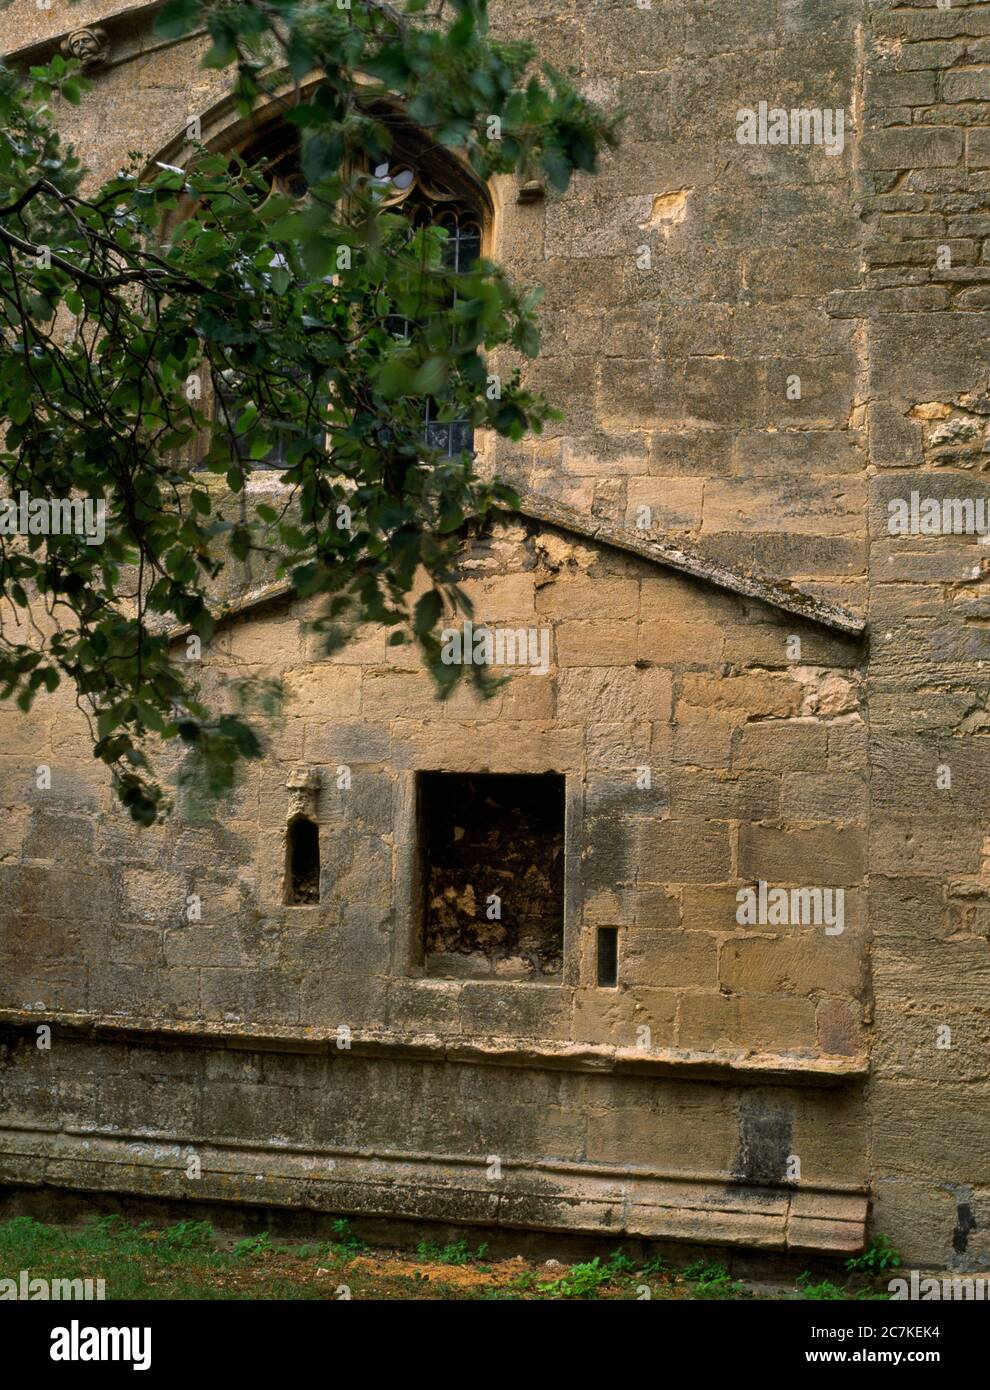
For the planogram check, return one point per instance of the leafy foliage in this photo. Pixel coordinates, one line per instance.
(822, 1290)
(124, 312)
(456, 1252)
(252, 1246)
(587, 1279)
(346, 1242)
(879, 1256)
(712, 1280)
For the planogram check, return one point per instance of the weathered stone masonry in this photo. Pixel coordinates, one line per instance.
(798, 765)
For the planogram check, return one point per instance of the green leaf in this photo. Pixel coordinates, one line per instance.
(529, 339)
(281, 279)
(397, 377)
(321, 155)
(177, 17)
(451, 517)
(430, 378)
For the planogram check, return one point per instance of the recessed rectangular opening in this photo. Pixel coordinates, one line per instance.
(492, 874)
(608, 957)
(302, 863)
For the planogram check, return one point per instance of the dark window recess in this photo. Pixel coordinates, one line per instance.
(451, 437)
(278, 153)
(608, 957)
(302, 870)
(461, 249)
(493, 874)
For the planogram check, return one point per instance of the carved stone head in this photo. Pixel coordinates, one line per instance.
(303, 784)
(88, 46)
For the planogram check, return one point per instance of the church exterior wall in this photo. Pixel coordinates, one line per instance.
(860, 1054)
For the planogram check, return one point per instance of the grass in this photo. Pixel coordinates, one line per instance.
(457, 1253)
(189, 1260)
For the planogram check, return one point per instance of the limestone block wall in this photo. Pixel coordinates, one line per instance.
(924, 298)
(418, 1136)
(755, 770)
(686, 288)
(686, 285)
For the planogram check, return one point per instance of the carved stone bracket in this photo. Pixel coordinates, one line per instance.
(532, 191)
(88, 46)
(303, 784)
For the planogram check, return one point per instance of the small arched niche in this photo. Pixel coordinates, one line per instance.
(302, 862)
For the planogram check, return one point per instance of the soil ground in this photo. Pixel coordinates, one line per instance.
(190, 1260)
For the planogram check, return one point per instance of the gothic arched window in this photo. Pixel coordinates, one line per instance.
(432, 203)
(432, 190)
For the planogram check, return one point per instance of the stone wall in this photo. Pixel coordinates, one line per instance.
(754, 772)
(755, 769)
(433, 1138)
(675, 363)
(925, 177)
(686, 289)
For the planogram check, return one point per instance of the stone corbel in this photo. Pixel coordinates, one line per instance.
(90, 47)
(533, 191)
(303, 785)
